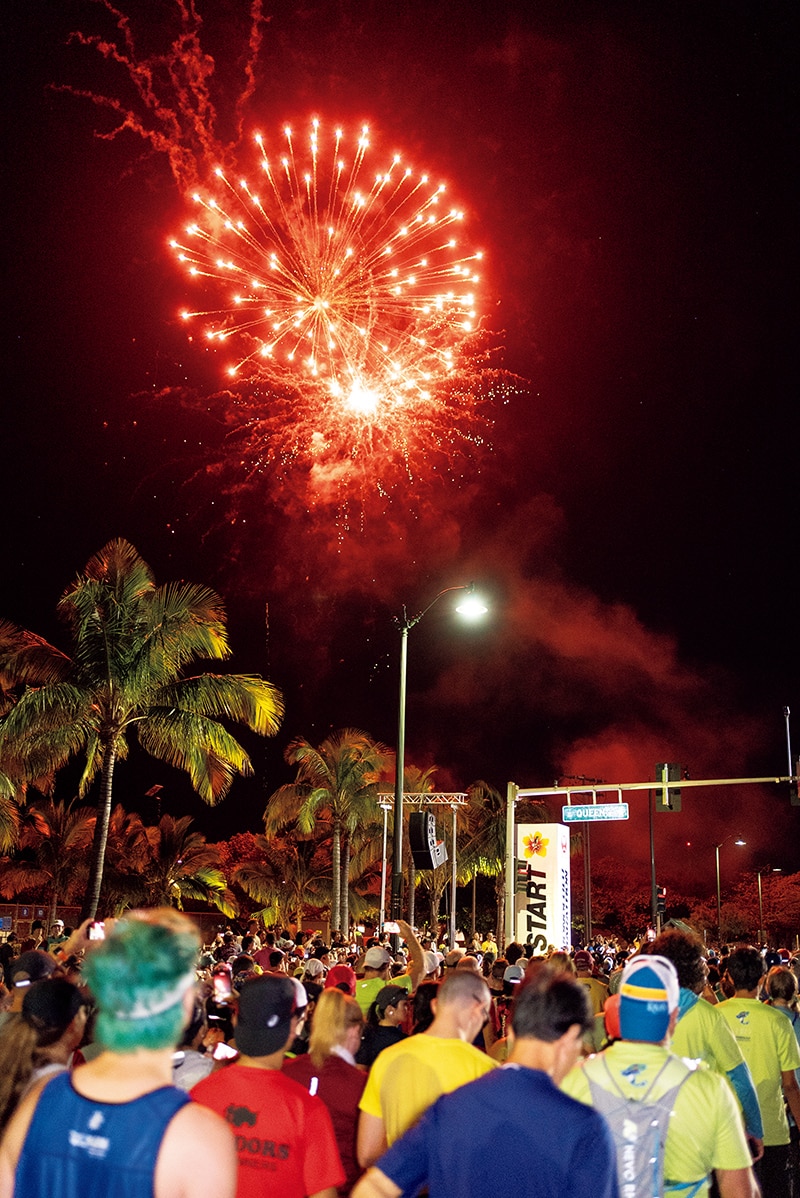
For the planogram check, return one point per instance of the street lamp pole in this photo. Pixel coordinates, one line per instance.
(405, 623)
(717, 848)
(762, 933)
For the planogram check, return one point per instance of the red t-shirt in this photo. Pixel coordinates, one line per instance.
(340, 1086)
(284, 1137)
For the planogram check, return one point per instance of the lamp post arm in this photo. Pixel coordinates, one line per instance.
(405, 622)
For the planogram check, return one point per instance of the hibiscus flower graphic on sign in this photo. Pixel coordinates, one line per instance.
(535, 845)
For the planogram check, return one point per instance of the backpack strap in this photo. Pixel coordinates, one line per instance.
(639, 1127)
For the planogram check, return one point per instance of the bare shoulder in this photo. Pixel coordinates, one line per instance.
(198, 1155)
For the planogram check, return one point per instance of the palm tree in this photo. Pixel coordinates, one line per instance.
(181, 864)
(29, 660)
(132, 642)
(336, 783)
(283, 875)
(161, 865)
(51, 852)
(485, 848)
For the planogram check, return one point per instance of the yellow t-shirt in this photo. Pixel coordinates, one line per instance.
(705, 1131)
(408, 1077)
(767, 1041)
(597, 991)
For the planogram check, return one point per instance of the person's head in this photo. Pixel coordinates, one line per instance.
(276, 960)
(57, 927)
(463, 1004)
(390, 1006)
(513, 952)
(470, 961)
(341, 977)
(781, 984)
(745, 967)
(268, 1014)
(337, 1023)
(561, 962)
(142, 978)
(55, 1008)
(314, 970)
(583, 962)
(431, 963)
(512, 976)
(649, 996)
(322, 953)
(552, 1007)
(685, 953)
(377, 962)
(494, 978)
(30, 967)
(453, 957)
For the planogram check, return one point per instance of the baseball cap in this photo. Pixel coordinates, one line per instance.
(514, 973)
(453, 957)
(265, 1010)
(31, 967)
(583, 960)
(57, 923)
(52, 1004)
(314, 968)
(389, 996)
(342, 977)
(430, 961)
(649, 993)
(376, 958)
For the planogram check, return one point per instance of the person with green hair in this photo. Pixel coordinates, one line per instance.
(116, 1127)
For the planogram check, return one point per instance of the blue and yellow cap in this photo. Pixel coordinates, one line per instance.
(649, 993)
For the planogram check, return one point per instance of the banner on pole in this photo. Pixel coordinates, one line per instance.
(542, 904)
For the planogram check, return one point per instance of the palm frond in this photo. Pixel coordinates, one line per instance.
(28, 659)
(203, 748)
(244, 698)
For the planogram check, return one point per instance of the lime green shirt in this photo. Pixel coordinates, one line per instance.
(768, 1045)
(705, 1131)
(702, 1034)
(368, 989)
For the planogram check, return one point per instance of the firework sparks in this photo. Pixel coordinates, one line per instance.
(360, 285)
(341, 296)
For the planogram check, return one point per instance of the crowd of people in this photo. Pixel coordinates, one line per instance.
(269, 1062)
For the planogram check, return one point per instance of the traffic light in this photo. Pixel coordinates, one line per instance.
(661, 900)
(673, 800)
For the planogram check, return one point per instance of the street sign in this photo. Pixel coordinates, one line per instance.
(590, 813)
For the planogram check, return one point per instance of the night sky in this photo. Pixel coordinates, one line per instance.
(626, 169)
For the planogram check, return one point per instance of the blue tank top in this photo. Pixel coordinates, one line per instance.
(79, 1148)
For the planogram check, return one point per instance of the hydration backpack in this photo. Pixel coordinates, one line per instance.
(639, 1127)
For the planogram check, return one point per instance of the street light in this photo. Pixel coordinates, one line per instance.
(471, 608)
(768, 869)
(717, 848)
